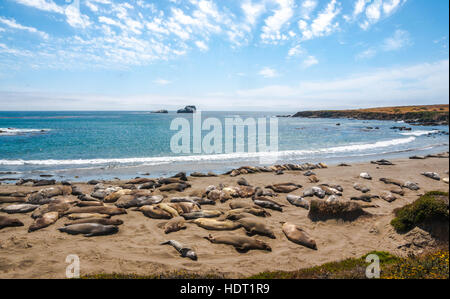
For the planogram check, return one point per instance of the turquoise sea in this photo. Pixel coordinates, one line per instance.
(84, 145)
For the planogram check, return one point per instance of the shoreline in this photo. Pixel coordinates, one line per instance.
(135, 248)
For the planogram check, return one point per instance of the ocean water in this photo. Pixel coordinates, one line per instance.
(84, 145)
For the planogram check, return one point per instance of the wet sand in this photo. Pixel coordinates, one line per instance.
(135, 248)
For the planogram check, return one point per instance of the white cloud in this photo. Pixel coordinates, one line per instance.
(268, 72)
(46, 5)
(271, 31)
(202, 46)
(162, 82)
(359, 7)
(295, 51)
(307, 7)
(324, 23)
(252, 11)
(390, 5)
(399, 40)
(13, 24)
(373, 11)
(75, 18)
(416, 84)
(367, 54)
(310, 61)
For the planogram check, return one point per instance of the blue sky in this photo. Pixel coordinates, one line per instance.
(281, 55)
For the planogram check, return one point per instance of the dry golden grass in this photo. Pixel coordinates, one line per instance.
(407, 109)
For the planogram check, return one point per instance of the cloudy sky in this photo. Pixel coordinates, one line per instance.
(281, 55)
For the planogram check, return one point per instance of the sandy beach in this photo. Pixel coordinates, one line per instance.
(136, 247)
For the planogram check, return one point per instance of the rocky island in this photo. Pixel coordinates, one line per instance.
(188, 109)
(429, 115)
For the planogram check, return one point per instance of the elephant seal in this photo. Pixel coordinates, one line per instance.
(267, 203)
(103, 221)
(76, 216)
(212, 224)
(388, 196)
(254, 226)
(107, 210)
(184, 251)
(261, 192)
(314, 191)
(45, 220)
(236, 216)
(398, 190)
(202, 214)
(313, 179)
(174, 225)
(89, 229)
(139, 181)
(299, 236)
(60, 207)
(240, 243)
(284, 188)
(255, 211)
(245, 191)
(154, 212)
(330, 190)
(185, 207)
(193, 199)
(361, 188)
(297, 201)
(365, 176)
(13, 194)
(19, 208)
(411, 186)
(365, 197)
(131, 201)
(113, 197)
(9, 222)
(445, 180)
(432, 175)
(82, 204)
(392, 182)
(10, 199)
(180, 187)
(239, 204)
(172, 209)
(243, 182)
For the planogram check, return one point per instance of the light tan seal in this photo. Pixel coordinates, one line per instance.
(45, 220)
(297, 235)
(76, 216)
(213, 224)
(104, 221)
(241, 243)
(254, 226)
(154, 212)
(174, 225)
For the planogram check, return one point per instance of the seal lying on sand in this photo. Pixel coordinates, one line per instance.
(362, 188)
(254, 226)
(45, 220)
(392, 182)
(10, 199)
(9, 222)
(60, 207)
(184, 251)
(89, 229)
(174, 225)
(267, 203)
(241, 243)
(111, 211)
(175, 187)
(284, 188)
(213, 224)
(365, 197)
(19, 208)
(388, 196)
(255, 211)
(317, 191)
(432, 175)
(411, 186)
(154, 212)
(298, 201)
(366, 176)
(103, 221)
(131, 201)
(297, 235)
(77, 216)
(201, 214)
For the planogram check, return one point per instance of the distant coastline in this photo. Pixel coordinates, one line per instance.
(427, 115)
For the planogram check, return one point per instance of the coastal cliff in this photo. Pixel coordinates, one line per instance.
(420, 115)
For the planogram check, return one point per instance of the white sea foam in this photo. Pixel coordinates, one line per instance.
(419, 133)
(293, 154)
(15, 131)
